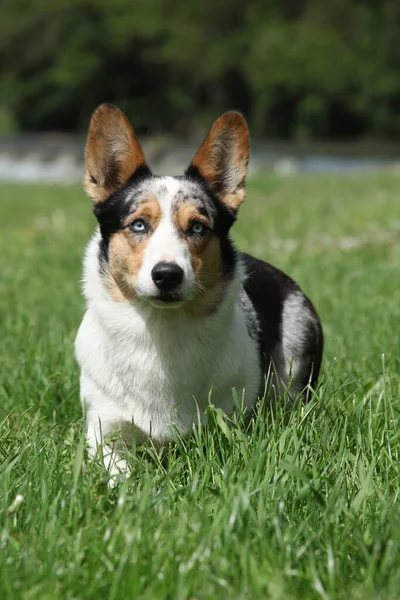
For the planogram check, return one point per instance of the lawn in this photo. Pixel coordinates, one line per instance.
(301, 506)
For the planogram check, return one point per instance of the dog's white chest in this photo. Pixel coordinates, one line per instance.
(165, 371)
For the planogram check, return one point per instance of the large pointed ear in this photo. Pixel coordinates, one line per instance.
(223, 157)
(113, 153)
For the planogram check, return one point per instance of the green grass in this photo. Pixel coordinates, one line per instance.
(302, 506)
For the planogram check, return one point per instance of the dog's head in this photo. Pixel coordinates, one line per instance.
(165, 240)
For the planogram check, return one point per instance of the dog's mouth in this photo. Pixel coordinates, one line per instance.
(166, 300)
(170, 297)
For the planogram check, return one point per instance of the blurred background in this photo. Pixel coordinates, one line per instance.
(318, 80)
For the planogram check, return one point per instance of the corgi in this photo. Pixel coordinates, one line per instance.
(176, 316)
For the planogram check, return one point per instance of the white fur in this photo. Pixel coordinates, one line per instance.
(159, 368)
(290, 358)
(165, 244)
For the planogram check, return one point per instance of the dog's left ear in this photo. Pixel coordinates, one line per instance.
(113, 153)
(222, 159)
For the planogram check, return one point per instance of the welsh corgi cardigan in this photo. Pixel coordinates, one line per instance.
(176, 315)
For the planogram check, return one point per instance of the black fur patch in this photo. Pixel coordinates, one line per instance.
(313, 350)
(268, 288)
(112, 213)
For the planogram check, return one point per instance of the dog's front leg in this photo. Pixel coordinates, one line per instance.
(98, 436)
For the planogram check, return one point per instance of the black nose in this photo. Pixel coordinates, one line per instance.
(167, 275)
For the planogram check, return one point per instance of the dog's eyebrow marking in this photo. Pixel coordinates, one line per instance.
(149, 208)
(194, 208)
(187, 212)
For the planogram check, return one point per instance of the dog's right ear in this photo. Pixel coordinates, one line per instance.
(113, 153)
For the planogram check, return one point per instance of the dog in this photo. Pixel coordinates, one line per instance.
(176, 316)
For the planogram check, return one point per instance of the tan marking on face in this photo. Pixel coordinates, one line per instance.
(126, 252)
(149, 210)
(206, 262)
(125, 260)
(209, 284)
(187, 213)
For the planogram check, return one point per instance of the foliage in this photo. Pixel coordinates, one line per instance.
(303, 505)
(296, 69)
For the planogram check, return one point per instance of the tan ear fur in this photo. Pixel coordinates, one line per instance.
(113, 153)
(222, 159)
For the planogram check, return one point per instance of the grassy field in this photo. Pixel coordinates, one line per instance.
(302, 506)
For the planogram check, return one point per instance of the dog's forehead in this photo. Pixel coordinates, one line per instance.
(171, 193)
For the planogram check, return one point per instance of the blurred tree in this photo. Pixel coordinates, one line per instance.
(296, 68)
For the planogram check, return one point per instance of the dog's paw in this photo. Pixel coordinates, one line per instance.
(118, 471)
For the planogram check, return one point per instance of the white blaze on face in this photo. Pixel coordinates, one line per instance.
(165, 244)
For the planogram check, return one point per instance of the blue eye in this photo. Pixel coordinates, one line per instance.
(197, 228)
(138, 226)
